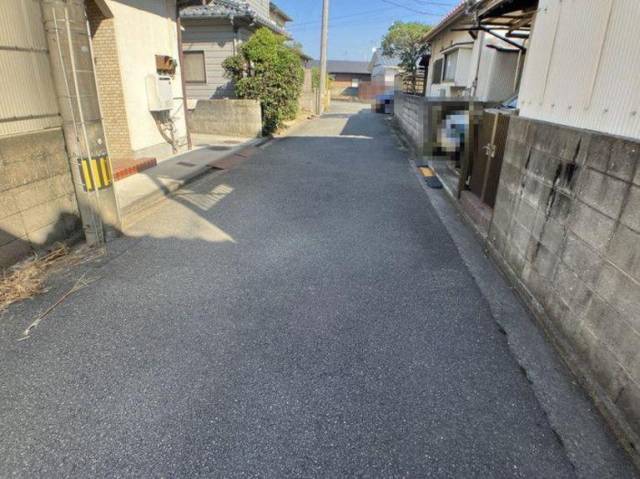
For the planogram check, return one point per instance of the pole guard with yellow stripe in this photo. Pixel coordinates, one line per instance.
(95, 173)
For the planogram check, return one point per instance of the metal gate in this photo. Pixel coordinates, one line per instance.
(485, 172)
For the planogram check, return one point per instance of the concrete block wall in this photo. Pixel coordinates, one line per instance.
(242, 118)
(566, 226)
(307, 99)
(409, 112)
(37, 199)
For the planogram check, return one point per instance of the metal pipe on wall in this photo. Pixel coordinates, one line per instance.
(183, 80)
(68, 38)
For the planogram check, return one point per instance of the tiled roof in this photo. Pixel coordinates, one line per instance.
(344, 66)
(378, 59)
(389, 61)
(230, 9)
(276, 9)
(453, 14)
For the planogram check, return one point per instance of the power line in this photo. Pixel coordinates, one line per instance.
(359, 25)
(348, 22)
(377, 10)
(411, 9)
(343, 16)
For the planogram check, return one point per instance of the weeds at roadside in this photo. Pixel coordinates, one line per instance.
(27, 279)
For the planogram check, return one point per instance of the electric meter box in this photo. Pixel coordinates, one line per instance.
(159, 93)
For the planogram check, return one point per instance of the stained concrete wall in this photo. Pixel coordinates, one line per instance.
(37, 200)
(409, 113)
(227, 117)
(308, 96)
(566, 227)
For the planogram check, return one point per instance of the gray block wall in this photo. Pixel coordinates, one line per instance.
(242, 118)
(409, 113)
(37, 199)
(566, 226)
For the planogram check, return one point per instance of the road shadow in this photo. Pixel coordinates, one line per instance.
(14, 248)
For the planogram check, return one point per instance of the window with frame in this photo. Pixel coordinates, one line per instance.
(355, 82)
(436, 77)
(194, 69)
(450, 63)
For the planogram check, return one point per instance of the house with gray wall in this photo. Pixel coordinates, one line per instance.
(383, 72)
(212, 33)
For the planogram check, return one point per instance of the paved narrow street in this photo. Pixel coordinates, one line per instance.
(305, 314)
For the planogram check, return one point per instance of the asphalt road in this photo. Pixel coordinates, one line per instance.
(305, 314)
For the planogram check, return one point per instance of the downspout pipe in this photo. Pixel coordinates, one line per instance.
(474, 85)
(183, 80)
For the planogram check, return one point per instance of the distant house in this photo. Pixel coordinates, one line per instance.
(383, 71)
(347, 77)
(471, 63)
(213, 32)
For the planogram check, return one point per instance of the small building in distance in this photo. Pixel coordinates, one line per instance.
(347, 76)
(383, 72)
(213, 32)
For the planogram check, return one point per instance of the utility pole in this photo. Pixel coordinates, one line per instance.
(323, 55)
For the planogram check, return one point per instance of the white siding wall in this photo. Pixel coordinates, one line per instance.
(28, 100)
(144, 29)
(582, 68)
(496, 76)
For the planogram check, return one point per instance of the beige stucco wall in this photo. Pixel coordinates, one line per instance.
(496, 71)
(144, 29)
(439, 44)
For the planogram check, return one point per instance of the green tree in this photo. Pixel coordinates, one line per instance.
(268, 70)
(405, 41)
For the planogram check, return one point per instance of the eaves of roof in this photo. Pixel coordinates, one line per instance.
(230, 9)
(454, 15)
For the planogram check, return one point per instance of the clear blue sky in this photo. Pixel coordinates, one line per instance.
(356, 26)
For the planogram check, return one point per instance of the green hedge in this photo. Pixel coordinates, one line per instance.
(266, 69)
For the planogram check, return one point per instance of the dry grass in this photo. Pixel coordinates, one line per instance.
(27, 279)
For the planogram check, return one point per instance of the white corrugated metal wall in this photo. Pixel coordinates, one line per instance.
(27, 100)
(583, 67)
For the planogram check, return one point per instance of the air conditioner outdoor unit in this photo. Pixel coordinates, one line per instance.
(159, 93)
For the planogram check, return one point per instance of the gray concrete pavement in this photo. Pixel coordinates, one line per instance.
(305, 314)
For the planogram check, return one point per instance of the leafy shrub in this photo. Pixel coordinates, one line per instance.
(268, 70)
(315, 79)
